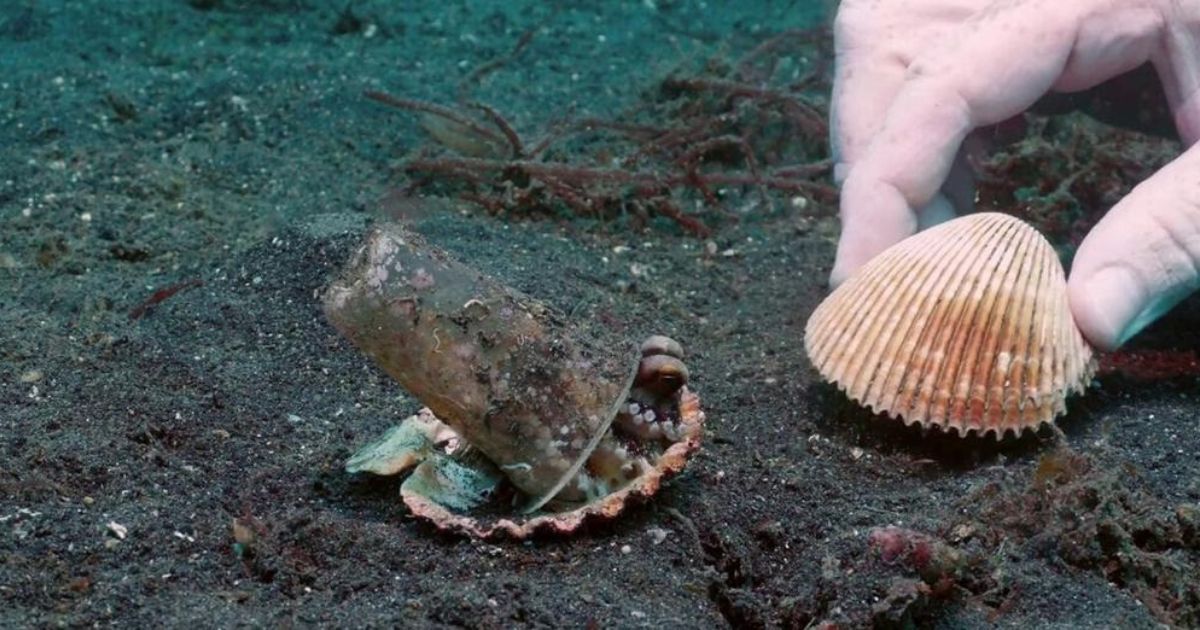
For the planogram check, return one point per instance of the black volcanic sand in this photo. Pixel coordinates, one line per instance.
(225, 145)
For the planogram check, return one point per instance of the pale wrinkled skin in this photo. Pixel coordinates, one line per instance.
(915, 78)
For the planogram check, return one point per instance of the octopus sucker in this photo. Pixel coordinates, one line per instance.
(532, 422)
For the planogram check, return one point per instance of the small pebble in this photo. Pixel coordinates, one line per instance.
(32, 376)
(242, 533)
(626, 549)
(962, 531)
(769, 533)
(118, 530)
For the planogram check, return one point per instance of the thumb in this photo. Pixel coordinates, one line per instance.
(1143, 257)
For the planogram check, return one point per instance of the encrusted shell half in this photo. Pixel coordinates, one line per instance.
(532, 390)
(670, 462)
(964, 326)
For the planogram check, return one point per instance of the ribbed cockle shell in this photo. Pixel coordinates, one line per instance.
(964, 326)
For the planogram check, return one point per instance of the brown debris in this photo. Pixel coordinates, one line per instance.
(708, 133)
(161, 295)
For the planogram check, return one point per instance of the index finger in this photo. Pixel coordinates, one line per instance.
(864, 84)
(969, 81)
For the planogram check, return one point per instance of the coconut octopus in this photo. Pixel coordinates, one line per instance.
(531, 423)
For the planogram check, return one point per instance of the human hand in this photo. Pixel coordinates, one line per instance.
(915, 78)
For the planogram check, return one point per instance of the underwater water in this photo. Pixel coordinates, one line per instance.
(181, 179)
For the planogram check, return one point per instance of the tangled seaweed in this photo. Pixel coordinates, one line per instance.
(1066, 172)
(697, 138)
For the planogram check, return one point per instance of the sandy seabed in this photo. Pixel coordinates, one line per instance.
(179, 179)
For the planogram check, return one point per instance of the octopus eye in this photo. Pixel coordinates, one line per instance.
(659, 344)
(662, 374)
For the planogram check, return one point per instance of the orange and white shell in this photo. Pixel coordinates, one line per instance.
(964, 326)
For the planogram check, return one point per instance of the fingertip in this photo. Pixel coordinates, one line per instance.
(1104, 304)
(845, 265)
(875, 216)
(1141, 259)
(837, 276)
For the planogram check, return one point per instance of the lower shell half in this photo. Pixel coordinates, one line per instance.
(459, 492)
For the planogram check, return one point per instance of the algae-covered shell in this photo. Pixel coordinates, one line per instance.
(507, 374)
(965, 326)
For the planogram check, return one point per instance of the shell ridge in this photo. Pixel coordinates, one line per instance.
(858, 355)
(968, 299)
(933, 304)
(915, 277)
(1062, 357)
(981, 326)
(825, 316)
(881, 343)
(827, 313)
(1026, 373)
(941, 305)
(1001, 353)
(1027, 377)
(839, 332)
(1048, 343)
(1051, 345)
